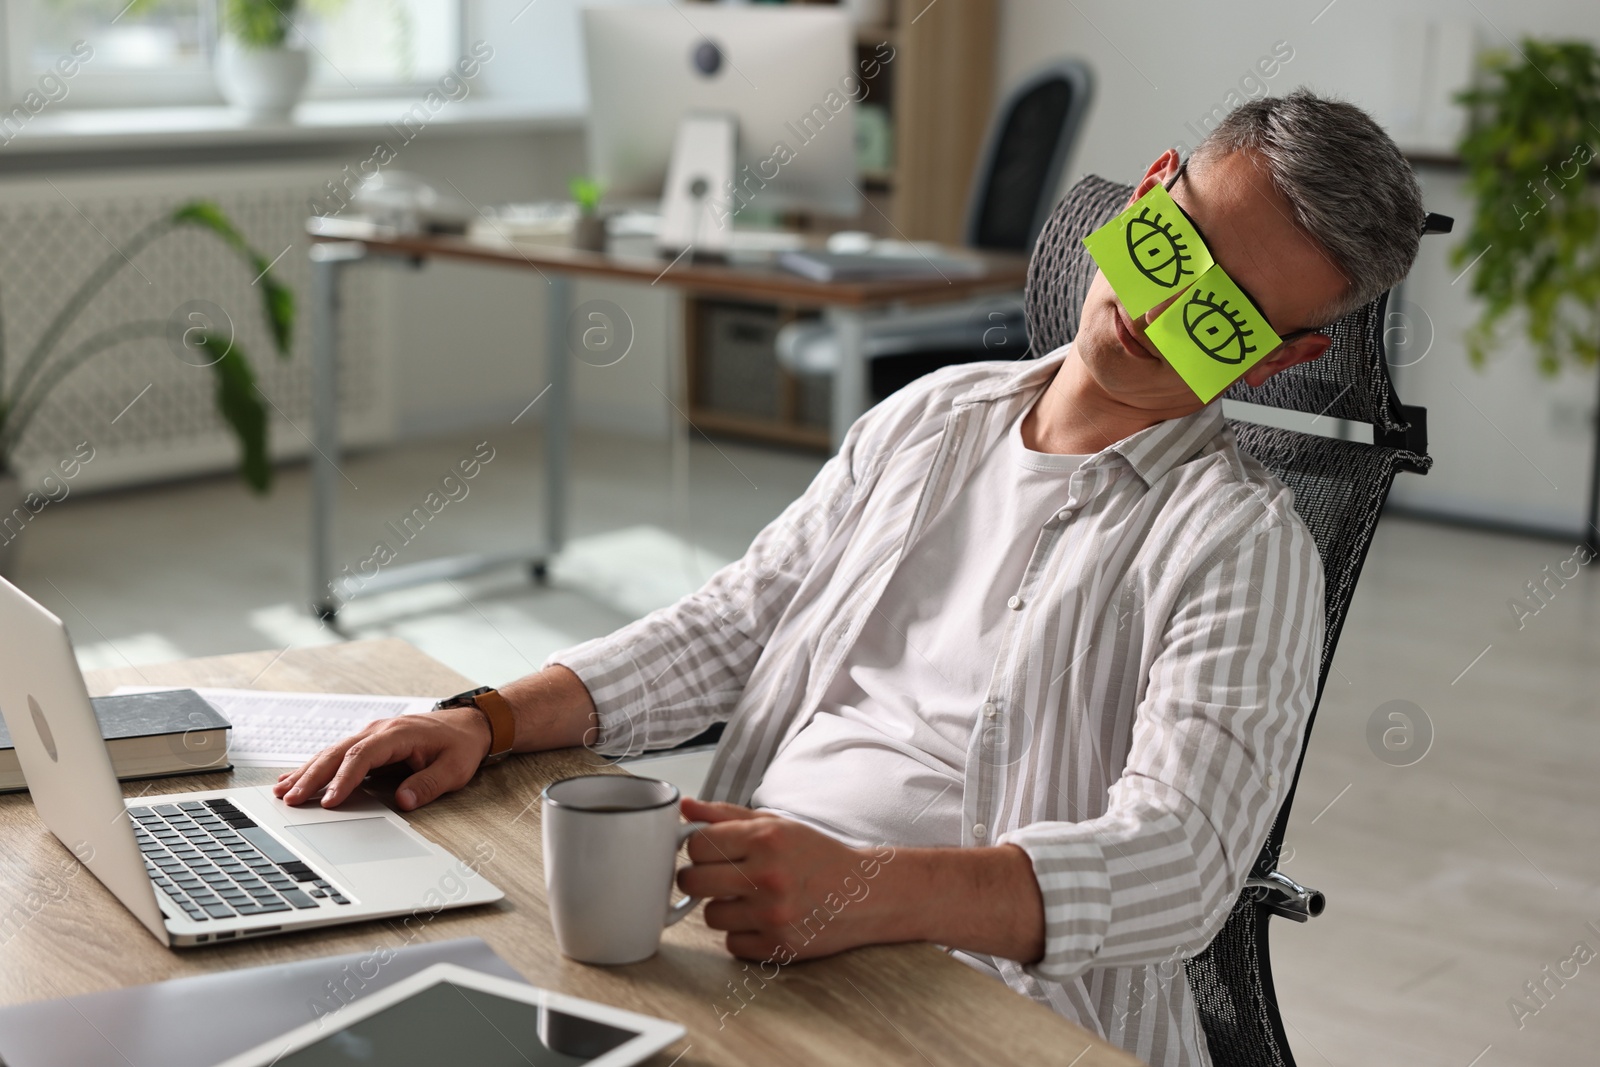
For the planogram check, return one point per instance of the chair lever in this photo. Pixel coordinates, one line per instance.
(1282, 895)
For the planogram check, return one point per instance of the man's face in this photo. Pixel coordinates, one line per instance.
(1250, 231)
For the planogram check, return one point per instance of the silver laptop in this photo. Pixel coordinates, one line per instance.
(199, 868)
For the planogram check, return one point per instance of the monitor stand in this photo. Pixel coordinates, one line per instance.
(696, 204)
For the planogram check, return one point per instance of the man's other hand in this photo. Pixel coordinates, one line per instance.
(782, 890)
(442, 748)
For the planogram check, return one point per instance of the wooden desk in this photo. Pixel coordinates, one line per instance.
(338, 243)
(64, 934)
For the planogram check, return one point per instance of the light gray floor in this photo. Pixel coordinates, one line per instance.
(1451, 882)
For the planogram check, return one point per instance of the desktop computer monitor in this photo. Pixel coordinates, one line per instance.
(788, 77)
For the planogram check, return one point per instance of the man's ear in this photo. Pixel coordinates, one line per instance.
(1163, 168)
(1300, 350)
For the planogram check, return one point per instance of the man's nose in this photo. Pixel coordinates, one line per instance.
(1150, 316)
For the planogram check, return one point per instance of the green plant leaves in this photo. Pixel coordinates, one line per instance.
(238, 399)
(277, 301)
(239, 402)
(259, 23)
(1534, 244)
(586, 192)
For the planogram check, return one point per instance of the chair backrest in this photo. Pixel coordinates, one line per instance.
(1339, 491)
(1025, 155)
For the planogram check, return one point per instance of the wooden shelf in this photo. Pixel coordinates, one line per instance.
(944, 72)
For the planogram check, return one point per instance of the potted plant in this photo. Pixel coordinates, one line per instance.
(589, 231)
(47, 364)
(1534, 243)
(257, 71)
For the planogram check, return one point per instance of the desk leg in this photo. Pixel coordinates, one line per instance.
(327, 261)
(850, 398)
(557, 410)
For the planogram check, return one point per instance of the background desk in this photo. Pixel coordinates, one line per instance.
(340, 243)
(63, 933)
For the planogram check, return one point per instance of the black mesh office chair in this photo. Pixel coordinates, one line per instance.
(1339, 490)
(1013, 191)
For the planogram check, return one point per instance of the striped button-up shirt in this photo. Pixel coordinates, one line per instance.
(1153, 685)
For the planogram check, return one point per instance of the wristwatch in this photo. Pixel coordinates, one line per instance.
(495, 708)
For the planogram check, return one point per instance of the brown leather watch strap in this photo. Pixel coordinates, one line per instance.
(496, 710)
(502, 722)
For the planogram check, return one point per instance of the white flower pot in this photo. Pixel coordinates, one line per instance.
(264, 83)
(10, 500)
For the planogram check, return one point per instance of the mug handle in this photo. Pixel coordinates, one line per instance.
(682, 908)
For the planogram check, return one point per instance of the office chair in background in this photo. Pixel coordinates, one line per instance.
(1339, 490)
(1013, 191)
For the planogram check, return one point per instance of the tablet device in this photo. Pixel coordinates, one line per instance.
(448, 1014)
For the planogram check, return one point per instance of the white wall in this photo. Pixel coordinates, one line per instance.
(470, 339)
(1161, 67)
(545, 38)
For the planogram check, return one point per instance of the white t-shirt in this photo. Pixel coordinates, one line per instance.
(883, 758)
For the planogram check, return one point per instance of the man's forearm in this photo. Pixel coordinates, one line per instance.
(553, 710)
(983, 900)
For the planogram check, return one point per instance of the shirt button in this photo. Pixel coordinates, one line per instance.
(1272, 781)
(990, 711)
(980, 831)
(1064, 514)
(1014, 603)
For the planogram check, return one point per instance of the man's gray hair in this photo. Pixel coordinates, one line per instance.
(1350, 187)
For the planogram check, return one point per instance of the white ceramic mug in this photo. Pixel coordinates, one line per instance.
(610, 853)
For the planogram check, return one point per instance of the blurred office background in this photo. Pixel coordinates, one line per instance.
(1454, 881)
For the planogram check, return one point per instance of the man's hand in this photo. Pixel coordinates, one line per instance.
(783, 891)
(445, 748)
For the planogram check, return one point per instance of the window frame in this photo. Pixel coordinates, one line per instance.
(191, 86)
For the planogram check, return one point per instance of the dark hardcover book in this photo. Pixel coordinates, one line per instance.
(149, 735)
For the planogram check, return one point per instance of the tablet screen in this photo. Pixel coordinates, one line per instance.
(447, 1024)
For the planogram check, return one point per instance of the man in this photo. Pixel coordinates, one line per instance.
(1039, 626)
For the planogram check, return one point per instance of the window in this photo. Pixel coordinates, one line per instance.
(384, 42)
(155, 52)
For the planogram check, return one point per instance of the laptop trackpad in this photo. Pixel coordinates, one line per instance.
(350, 841)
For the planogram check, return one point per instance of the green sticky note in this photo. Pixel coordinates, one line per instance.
(1149, 252)
(1212, 334)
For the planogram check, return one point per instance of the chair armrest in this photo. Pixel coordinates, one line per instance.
(1282, 895)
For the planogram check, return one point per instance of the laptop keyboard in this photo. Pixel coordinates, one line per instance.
(214, 862)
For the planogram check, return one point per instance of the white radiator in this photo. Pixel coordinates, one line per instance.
(54, 232)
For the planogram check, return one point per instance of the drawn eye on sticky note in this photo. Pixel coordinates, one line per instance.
(1150, 252)
(1212, 334)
